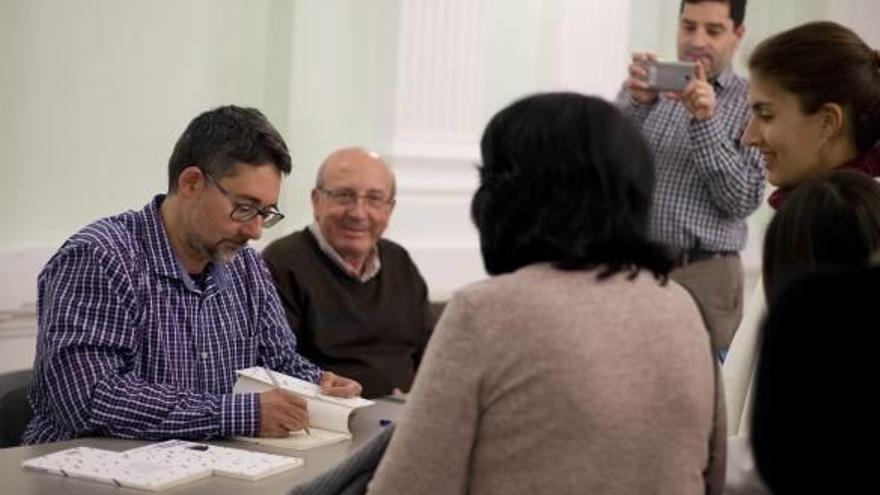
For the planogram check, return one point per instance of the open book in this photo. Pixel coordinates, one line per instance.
(161, 465)
(328, 416)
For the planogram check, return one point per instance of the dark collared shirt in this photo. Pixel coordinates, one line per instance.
(129, 346)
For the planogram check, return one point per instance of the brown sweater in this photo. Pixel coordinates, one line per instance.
(374, 332)
(545, 381)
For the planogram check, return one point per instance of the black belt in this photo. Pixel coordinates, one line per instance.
(688, 256)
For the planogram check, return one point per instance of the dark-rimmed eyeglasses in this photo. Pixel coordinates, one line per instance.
(349, 198)
(245, 212)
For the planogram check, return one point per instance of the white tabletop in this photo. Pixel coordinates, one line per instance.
(364, 425)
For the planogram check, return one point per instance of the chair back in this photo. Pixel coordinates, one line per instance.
(15, 410)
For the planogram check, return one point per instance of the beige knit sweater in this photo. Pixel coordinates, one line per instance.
(545, 381)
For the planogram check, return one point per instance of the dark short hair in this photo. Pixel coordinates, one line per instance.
(737, 9)
(565, 179)
(824, 62)
(217, 140)
(828, 222)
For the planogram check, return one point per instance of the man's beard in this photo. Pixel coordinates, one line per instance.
(221, 252)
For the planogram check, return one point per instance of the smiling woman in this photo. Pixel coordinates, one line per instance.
(815, 96)
(815, 99)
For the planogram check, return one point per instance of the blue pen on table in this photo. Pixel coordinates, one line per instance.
(278, 385)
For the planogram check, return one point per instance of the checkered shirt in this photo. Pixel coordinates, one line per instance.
(707, 181)
(129, 346)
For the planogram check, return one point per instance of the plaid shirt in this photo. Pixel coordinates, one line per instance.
(707, 181)
(129, 346)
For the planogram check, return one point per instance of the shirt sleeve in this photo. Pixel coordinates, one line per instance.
(732, 172)
(88, 346)
(442, 411)
(277, 341)
(636, 112)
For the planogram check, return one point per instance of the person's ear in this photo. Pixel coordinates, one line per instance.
(190, 181)
(832, 120)
(740, 31)
(316, 196)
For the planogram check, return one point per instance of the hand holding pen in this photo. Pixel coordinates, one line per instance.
(281, 411)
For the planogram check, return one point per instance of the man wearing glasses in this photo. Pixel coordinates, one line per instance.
(145, 316)
(355, 301)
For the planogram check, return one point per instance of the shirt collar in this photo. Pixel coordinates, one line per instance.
(371, 266)
(723, 80)
(161, 258)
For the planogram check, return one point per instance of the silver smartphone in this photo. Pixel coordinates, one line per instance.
(670, 76)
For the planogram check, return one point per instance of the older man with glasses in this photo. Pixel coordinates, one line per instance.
(355, 301)
(145, 316)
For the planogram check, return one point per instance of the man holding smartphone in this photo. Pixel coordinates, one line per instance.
(708, 183)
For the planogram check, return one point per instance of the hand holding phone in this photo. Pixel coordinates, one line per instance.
(669, 76)
(699, 97)
(637, 83)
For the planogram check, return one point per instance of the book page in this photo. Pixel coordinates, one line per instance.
(300, 387)
(116, 468)
(162, 465)
(59, 462)
(223, 461)
(325, 412)
(144, 475)
(299, 440)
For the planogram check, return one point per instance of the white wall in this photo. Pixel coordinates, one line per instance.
(93, 94)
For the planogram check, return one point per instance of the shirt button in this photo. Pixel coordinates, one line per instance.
(204, 355)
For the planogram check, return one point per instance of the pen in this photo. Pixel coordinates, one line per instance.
(278, 385)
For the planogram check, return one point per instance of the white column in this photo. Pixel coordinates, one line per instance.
(438, 79)
(588, 45)
(436, 128)
(458, 62)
